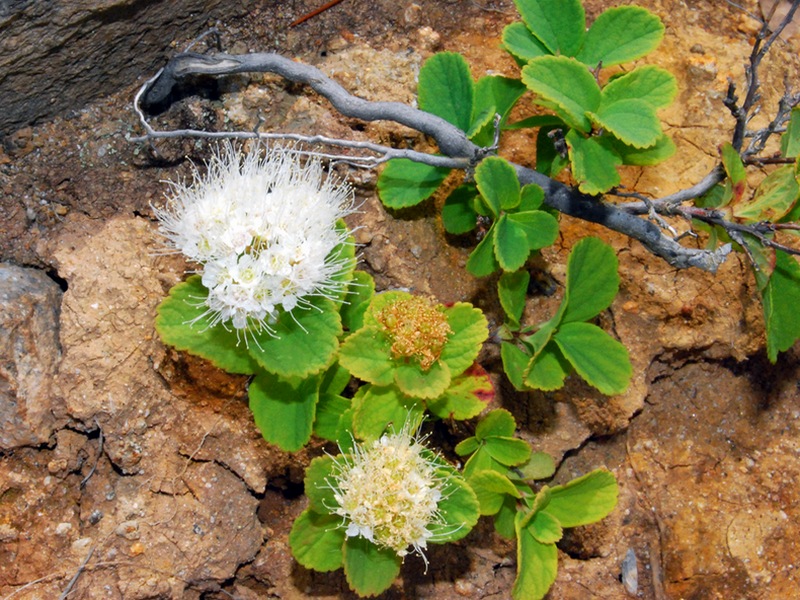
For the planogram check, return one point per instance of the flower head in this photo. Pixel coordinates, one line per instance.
(263, 228)
(389, 492)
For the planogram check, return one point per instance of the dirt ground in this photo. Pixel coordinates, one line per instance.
(141, 474)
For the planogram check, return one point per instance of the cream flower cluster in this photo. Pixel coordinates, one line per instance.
(389, 492)
(262, 226)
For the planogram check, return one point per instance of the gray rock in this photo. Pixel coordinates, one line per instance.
(59, 55)
(29, 356)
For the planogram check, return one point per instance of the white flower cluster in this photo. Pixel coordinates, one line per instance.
(389, 492)
(262, 228)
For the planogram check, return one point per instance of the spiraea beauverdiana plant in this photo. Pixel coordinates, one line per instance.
(370, 508)
(263, 227)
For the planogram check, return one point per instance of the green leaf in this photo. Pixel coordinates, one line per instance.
(466, 397)
(597, 357)
(737, 175)
(540, 228)
(284, 410)
(498, 184)
(369, 570)
(491, 489)
(515, 363)
(559, 24)
(319, 493)
(482, 261)
(548, 159)
(496, 95)
(335, 379)
(512, 289)
(521, 43)
(620, 35)
(345, 254)
(510, 244)
(584, 500)
(774, 198)
(458, 216)
(303, 342)
(445, 89)
(531, 197)
(547, 370)
(633, 121)
(790, 140)
(537, 565)
(545, 528)
(360, 293)
(458, 508)
(641, 157)
(540, 466)
(567, 84)
(316, 541)
(780, 299)
(544, 121)
(404, 183)
(653, 85)
(470, 330)
(367, 355)
(499, 422)
(592, 280)
(594, 164)
(504, 518)
(416, 382)
(467, 446)
(507, 451)
(330, 409)
(181, 324)
(379, 407)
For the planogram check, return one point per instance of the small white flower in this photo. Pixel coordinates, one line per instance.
(262, 228)
(389, 491)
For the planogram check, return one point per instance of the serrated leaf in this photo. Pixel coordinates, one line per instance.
(470, 329)
(369, 570)
(620, 35)
(344, 254)
(180, 323)
(536, 121)
(466, 397)
(507, 451)
(330, 409)
(547, 370)
(404, 183)
(360, 293)
(633, 121)
(540, 228)
(498, 184)
(537, 565)
(597, 357)
(379, 407)
(482, 261)
(545, 528)
(416, 382)
(491, 489)
(531, 197)
(790, 140)
(458, 508)
(319, 492)
(584, 500)
(366, 355)
(504, 519)
(510, 244)
(521, 43)
(592, 280)
(498, 423)
(567, 84)
(458, 216)
(284, 410)
(467, 446)
(496, 95)
(594, 165)
(539, 466)
(780, 300)
(775, 197)
(446, 89)
(302, 342)
(653, 85)
(559, 24)
(515, 363)
(512, 289)
(316, 541)
(642, 157)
